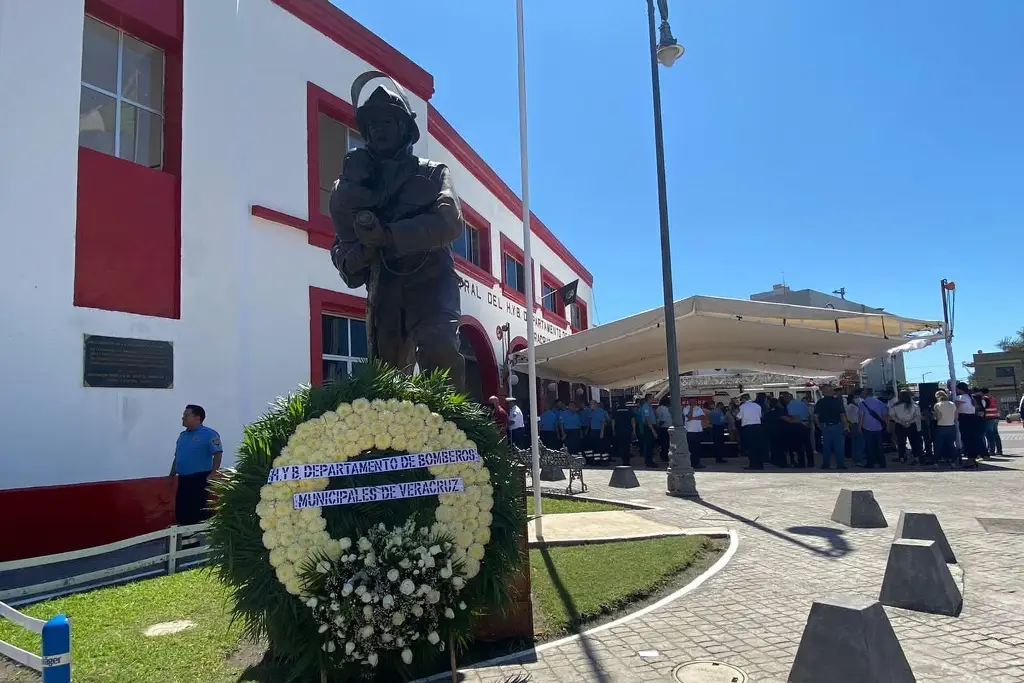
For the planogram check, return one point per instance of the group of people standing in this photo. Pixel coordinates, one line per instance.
(777, 430)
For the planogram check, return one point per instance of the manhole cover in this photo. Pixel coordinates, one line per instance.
(709, 672)
(1002, 525)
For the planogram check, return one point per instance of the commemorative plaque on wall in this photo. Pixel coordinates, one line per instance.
(122, 362)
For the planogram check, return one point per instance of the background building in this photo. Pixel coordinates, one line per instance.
(1002, 372)
(878, 374)
(164, 203)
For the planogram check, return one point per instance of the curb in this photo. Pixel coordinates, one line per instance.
(713, 532)
(606, 501)
(521, 656)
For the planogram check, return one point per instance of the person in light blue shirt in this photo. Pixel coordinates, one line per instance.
(197, 454)
(718, 425)
(572, 426)
(597, 418)
(646, 429)
(797, 428)
(549, 426)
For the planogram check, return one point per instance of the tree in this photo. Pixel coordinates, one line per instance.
(1014, 343)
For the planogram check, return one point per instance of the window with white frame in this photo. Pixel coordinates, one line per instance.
(575, 318)
(549, 297)
(515, 274)
(335, 139)
(344, 345)
(122, 106)
(468, 245)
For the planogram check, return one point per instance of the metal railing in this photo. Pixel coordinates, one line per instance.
(55, 663)
(167, 562)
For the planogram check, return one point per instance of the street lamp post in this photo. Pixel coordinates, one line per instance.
(666, 50)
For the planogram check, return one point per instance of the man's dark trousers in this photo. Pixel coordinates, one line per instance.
(754, 444)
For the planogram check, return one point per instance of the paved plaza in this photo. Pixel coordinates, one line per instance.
(752, 613)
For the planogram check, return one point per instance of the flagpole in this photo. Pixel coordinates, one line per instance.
(531, 351)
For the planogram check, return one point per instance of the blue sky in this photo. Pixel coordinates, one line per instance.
(870, 145)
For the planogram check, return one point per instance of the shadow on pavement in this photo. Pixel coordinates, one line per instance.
(574, 617)
(836, 551)
(834, 537)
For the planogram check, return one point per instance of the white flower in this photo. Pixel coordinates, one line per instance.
(387, 638)
(368, 612)
(323, 567)
(366, 631)
(476, 551)
(350, 647)
(388, 602)
(370, 560)
(407, 587)
(346, 590)
(434, 597)
(397, 618)
(322, 629)
(462, 605)
(339, 621)
(435, 550)
(372, 659)
(346, 543)
(360, 405)
(361, 590)
(449, 613)
(364, 543)
(367, 597)
(428, 561)
(417, 611)
(405, 563)
(446, 573)
(311, 602)
(407, 656)
(329, 646)
(433, 637)
(393, 575)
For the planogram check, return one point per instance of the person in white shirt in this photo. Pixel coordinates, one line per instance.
(516, 423)
(752, 433)
(695, 419)
(856, 437)
(945, 414)
(972, 426)
(905, 416)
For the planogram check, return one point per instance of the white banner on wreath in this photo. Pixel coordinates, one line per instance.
(394, 463)
(384, 492)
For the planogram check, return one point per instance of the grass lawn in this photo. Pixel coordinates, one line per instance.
(108, 645)
(558, 506)
(579, 584)
(571, 586)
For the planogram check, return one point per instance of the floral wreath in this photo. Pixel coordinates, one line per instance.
(380, 596)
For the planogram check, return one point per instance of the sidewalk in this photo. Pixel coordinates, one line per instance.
(752, 613)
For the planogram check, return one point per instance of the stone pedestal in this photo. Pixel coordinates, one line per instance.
(552, 473)
(517, 621)
(917, 578)
(849, 639)
(858, 509)
(623, 477)
(680, 480)
(925, 526)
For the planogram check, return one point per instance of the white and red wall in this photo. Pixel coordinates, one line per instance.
(221, 252)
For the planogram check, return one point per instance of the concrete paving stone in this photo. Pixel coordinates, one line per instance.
(755, 609)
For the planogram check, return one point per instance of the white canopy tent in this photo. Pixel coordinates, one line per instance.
(717, 332)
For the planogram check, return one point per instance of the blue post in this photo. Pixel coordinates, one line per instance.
(57, 650)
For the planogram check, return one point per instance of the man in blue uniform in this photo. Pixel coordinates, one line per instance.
(549, 422)
(597, 418)
(572, 425)
(197, 455)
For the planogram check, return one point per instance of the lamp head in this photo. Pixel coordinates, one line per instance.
(669, 50)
